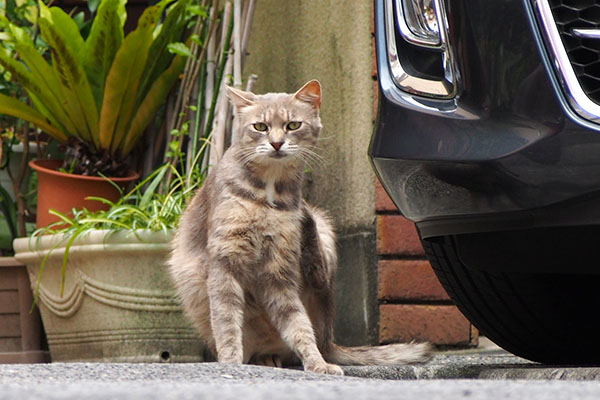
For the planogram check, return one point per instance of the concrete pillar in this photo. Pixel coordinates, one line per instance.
(292, 42)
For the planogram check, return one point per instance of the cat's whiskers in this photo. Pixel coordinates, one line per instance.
(264, 149)
(247, 156)
(292, 149)
(311, 156)
(315, 152)
(307, 161)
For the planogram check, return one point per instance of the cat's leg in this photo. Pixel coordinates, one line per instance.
(283, 305)
(226, 298)
(318, 266)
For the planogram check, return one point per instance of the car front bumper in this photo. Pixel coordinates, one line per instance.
(506, 152)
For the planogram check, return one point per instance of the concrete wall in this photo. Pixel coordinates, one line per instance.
(292, 42)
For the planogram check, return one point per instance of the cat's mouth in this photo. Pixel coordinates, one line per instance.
(277, 154)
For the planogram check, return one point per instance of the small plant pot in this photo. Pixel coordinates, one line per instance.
(118, 303)
(62, 192)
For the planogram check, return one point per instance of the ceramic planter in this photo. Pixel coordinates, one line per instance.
(63, 192)
(21, 334)
(118, 303)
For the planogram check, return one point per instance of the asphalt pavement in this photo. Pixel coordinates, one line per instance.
(484, 373)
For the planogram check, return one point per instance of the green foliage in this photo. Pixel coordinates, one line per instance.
(180, 49)
(24, 14)
(103, 90)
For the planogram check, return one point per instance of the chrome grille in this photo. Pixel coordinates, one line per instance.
(573, 19)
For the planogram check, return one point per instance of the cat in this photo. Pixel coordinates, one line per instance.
(253, 263)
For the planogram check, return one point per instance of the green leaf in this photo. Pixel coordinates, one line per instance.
(36, 292)
(153, 100)
(67, 27)
(102, 44)
(197, 10)
(93, 5)
(152, 188)
(16, 108)
(196, 39)
(63, 217)
(66, 44)
(124, 77)
(45, 111)
(79, 19)
(180, 49)
(63, 269)
(101, 200)
(170, 31)
(94, 220)
(49, 93)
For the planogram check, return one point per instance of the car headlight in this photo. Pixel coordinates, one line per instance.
(418, 21)
(420, 57)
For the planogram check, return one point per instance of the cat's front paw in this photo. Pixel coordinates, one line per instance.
(230, 357)
(324, 368)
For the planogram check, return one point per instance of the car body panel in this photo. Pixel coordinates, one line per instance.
(507, 148)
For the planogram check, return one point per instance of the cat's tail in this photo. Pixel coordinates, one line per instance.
(403, 353)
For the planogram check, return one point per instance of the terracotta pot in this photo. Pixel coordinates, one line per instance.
(63, 192)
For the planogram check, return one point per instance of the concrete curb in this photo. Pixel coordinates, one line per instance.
(492, 365)
(451, 365)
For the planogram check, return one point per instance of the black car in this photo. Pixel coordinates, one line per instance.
(488, 137)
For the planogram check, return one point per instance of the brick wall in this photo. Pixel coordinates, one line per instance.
(412, 303)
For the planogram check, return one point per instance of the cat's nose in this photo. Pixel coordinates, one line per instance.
(276, 145)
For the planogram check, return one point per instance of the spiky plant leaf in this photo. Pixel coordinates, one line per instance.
(66, 56)
(124, 77)
(102, 44)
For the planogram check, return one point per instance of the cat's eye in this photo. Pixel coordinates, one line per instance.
(292, 126)
(261, 127)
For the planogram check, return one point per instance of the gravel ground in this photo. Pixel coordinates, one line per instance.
(223, 382)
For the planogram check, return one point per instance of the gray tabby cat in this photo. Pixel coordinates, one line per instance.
(253, 263)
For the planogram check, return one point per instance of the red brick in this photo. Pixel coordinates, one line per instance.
(397, 235)
(438, 324)
(375, 100)
(408, 280)
(382, 200)
(374, 72)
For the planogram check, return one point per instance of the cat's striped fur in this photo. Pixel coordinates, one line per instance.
(253, 263)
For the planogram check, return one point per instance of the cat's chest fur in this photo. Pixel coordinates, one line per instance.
(259, 218)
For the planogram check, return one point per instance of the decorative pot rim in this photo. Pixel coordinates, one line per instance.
(28, 247)
(50, 167)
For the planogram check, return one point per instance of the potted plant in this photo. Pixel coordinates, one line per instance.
(100, 277)
(101, 281)
(96, 96)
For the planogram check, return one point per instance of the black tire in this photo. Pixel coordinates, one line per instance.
(549, 318)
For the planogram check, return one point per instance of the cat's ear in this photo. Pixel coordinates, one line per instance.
(239, 98)
(310, 93)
